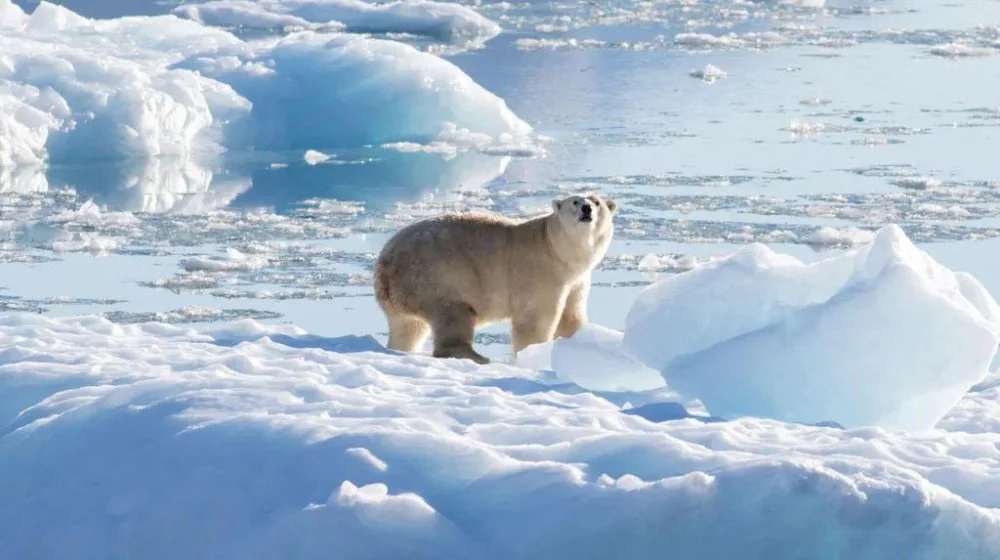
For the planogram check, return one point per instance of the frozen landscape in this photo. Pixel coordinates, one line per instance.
(793, 341)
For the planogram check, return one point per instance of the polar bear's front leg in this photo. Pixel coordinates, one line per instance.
(536, 324)
(574, 313)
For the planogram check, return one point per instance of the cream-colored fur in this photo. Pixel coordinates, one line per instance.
(451, 274)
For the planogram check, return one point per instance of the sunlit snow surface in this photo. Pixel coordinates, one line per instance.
(256, 443)
(763, 334)
(211, 164)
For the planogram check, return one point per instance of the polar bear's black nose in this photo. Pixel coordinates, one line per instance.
(586, 208)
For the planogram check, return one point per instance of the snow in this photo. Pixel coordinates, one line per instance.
(593, 359)
(881, 336)
(439, 20)
(252, 441)
(73, 89)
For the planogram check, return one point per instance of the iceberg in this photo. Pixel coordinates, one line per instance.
(78, 90)
(880, 336)
(312, 90)
(452, 23)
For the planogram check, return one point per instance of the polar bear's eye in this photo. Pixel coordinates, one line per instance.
(576, 203)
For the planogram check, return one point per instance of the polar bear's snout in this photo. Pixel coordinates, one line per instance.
(586, 212)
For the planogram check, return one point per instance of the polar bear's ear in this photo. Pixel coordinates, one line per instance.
(612, 205)
(556, 205)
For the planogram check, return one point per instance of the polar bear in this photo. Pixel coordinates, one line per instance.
(451, 274)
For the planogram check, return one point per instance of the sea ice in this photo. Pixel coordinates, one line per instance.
(709, 73)
(77, 90)
(918, 183)
(881, 336)
(313, 157)
(444, 21)
(234, 260)
(829, 236)
(396, 93)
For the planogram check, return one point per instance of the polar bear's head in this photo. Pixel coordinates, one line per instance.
(585, 228)
(590, 212)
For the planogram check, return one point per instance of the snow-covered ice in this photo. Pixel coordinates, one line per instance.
(881, 336)
(247, 441)
(593, 359)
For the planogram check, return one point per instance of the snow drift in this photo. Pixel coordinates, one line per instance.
(443, 21)
(156, 441)
(73, 89)
(592, 358)
(880, 336)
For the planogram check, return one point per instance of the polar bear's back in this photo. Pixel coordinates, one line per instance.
(455, 257)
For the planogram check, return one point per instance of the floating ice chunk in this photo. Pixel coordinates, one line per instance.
(804, 127)
(189, 314)
(667, 263)
(961, 50)
(312, 157)
(592, 358)
(829, 236)
(706, 41)
(880, 336)
(73, 89)
(252, 15)
(440, 20)
(815, 101)
(918, 183)
(234, 260)
(803, 3)
(452, 141)
(709, 73)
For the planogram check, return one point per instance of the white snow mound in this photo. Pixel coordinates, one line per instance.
(444, 21)
(882, 336)
(252, 442)
(74, 89)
